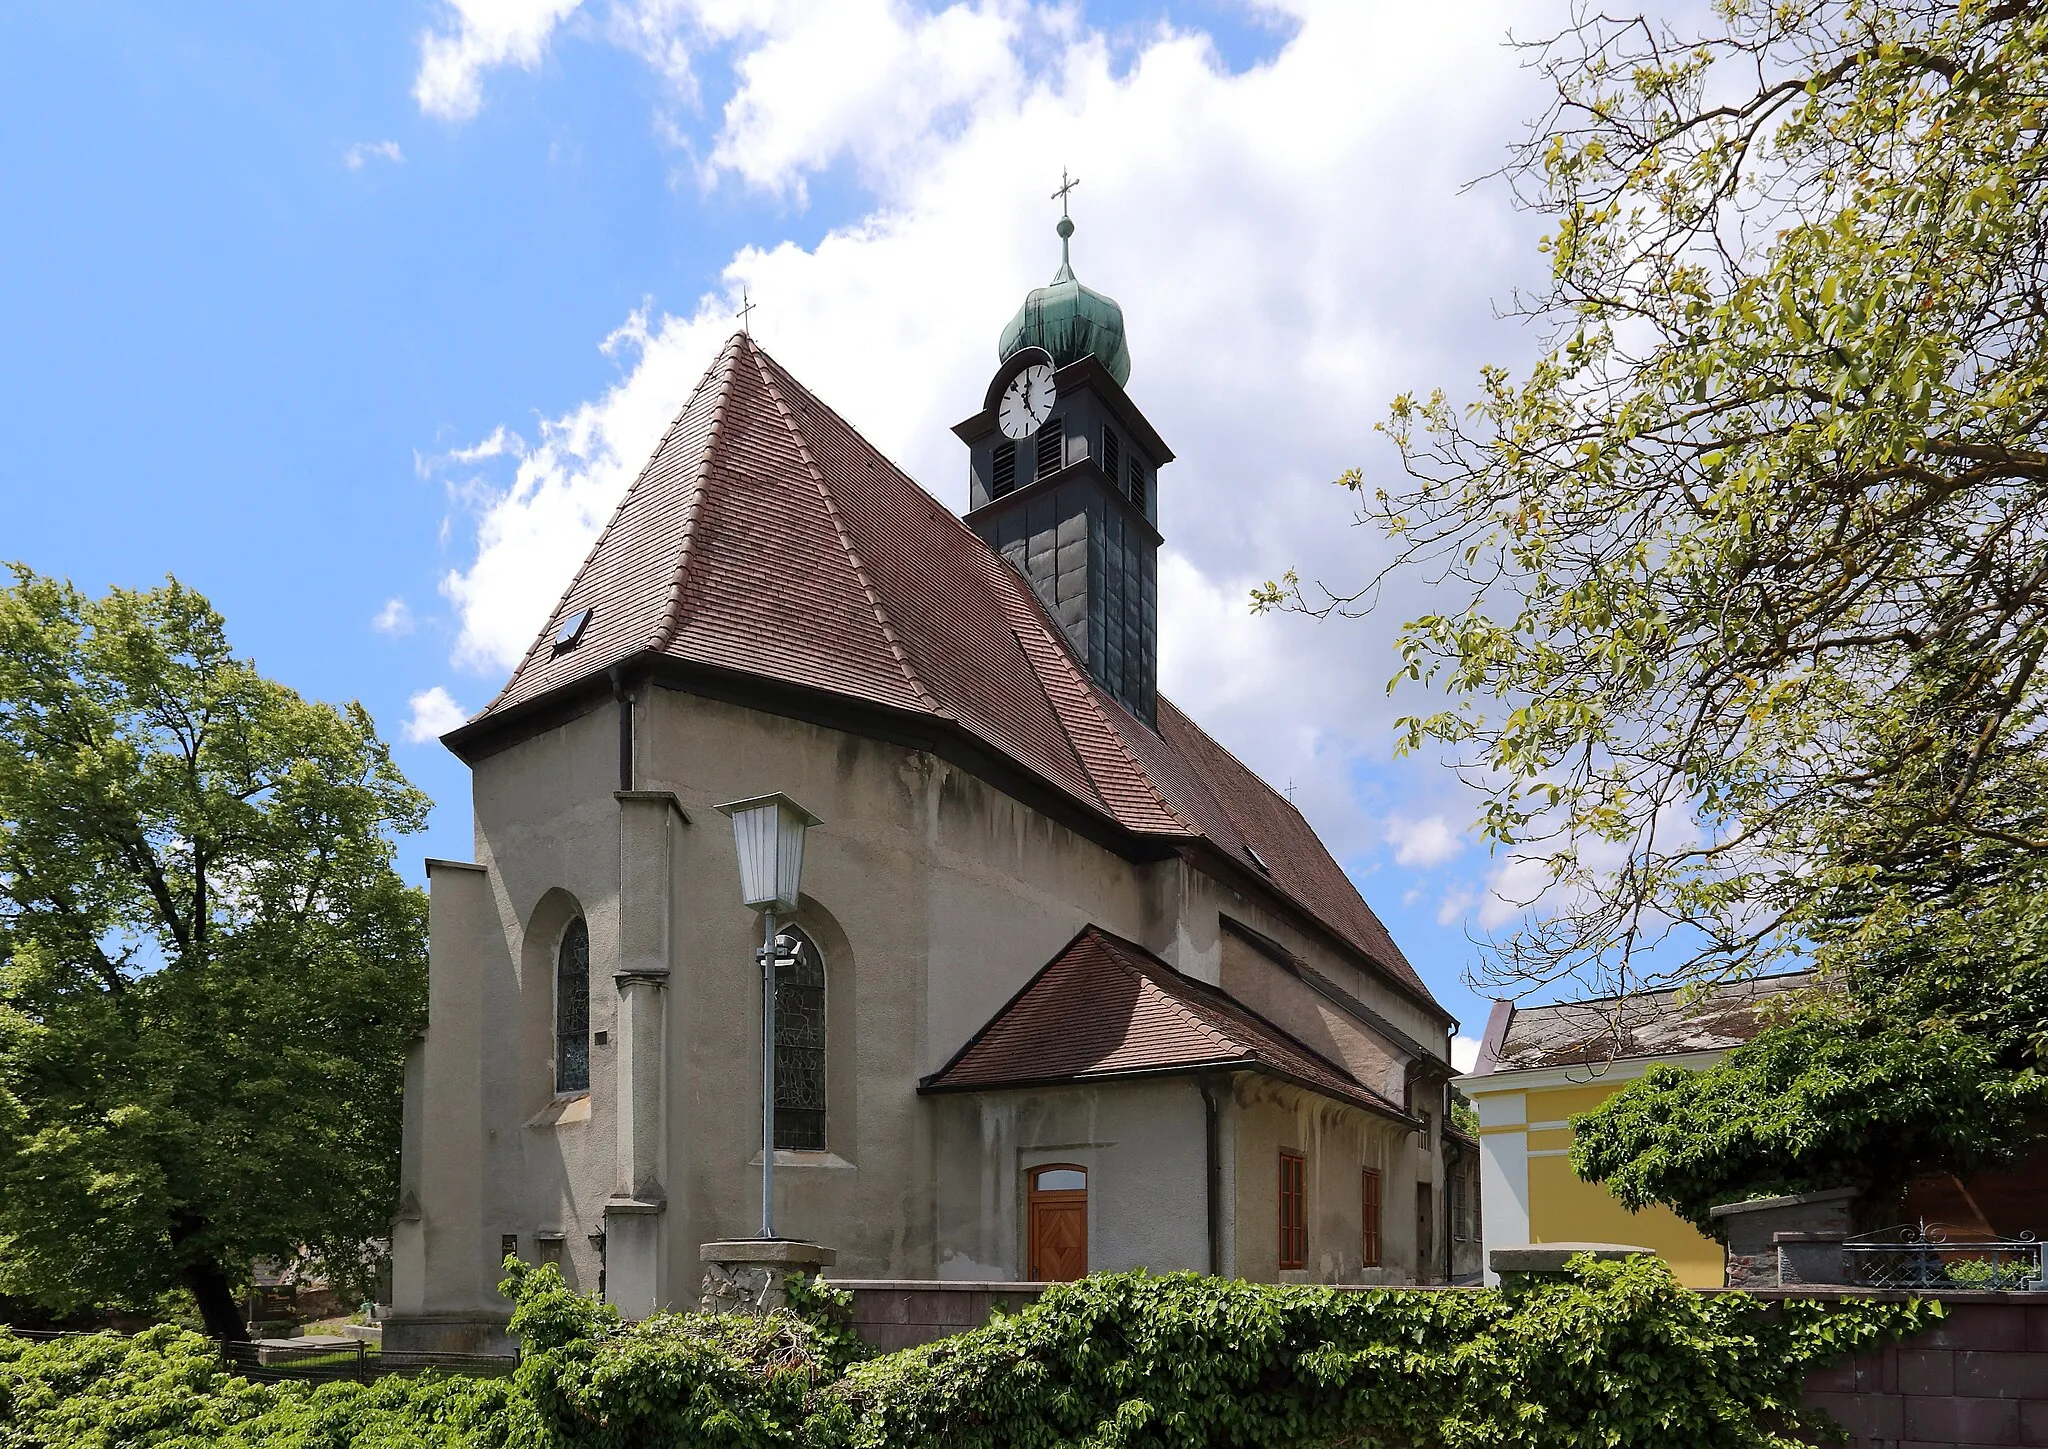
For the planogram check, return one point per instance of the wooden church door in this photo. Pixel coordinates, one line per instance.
(1058, 1224)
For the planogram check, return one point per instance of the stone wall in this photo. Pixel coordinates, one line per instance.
(902, 1313)
(1978, 1378)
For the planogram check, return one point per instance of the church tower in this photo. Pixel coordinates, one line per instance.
(1063, 480)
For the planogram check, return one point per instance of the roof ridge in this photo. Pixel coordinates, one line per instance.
(672, 611)
(597, 544)
(910, 674)
(1225, 750)
(1006, 601)
(1123, 747)
(1114, 945)
(1205, 989)
(1017, 589)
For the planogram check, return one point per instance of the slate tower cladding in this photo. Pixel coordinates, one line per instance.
(1074, 503)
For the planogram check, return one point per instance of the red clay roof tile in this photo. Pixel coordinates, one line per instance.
(1105, 1007)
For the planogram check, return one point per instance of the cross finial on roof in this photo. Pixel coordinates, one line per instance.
(745, 313)
(1066, 226)
(1067, 184)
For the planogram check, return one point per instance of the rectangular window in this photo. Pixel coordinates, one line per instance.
(1005, 477)
(508, 1246)
(1369, 1217)
(1293, 1210)
(1052, 449)
(549, 1249)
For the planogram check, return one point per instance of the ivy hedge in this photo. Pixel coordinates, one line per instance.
(1615, 1355)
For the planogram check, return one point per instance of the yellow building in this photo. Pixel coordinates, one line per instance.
(1540, 1065)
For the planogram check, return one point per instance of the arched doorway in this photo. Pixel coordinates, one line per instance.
(1058, 1223)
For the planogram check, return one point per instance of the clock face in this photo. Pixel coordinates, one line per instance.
(1027, 402)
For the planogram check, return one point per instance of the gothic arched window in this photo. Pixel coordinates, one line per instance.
(799, 1043)
(572, 1009)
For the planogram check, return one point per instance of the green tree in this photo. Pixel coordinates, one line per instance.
(1744, 584)
(209, 970)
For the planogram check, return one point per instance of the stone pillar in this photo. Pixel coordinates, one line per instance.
(633, 1217)
(1809, 1258)
(1751, 1229)
(746, 1275)
(632, 1256)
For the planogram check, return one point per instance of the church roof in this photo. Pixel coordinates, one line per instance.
(1105, 1008)
(766, 539)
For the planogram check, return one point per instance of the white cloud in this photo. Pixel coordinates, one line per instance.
(1514, 888)
(1426, 843)
(873, 80)
(1456, 902)
(1291, 246)
(434, 713)
(1464, 1052)
(356, 156)
(481, 34)
(394, 618)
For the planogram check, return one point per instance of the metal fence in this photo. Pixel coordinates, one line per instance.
(1926, 1256)
(362, 1362)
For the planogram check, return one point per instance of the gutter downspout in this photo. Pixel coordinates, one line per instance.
(625, 699)
(1212, 1139)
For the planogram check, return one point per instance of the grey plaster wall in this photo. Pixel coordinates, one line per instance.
(932, 896)
(1142, 1144)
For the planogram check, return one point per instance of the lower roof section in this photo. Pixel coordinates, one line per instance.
(1105, 1008)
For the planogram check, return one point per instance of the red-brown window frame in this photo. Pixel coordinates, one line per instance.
(1293, 1209)
(1369, 1217)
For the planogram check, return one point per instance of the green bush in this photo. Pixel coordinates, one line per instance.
(166, 1388)
(1615, 1355)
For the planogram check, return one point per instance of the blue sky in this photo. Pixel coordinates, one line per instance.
(286, 320)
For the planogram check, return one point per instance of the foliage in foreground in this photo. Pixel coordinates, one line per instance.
(1618, 1355)
(209, 968)
(1739, 593)
(1926, 1051)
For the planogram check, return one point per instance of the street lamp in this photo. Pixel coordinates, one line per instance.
(768, 832)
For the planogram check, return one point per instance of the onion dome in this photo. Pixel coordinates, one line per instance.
(1070, 321)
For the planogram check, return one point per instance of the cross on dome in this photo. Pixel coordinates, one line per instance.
(1069, 320)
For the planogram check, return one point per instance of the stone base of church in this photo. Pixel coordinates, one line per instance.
(747, 1275)
(482, 1334)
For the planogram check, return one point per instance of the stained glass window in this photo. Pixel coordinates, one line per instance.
(799, 1044)
(572, 1009)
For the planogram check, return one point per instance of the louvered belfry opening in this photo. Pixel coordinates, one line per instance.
(1051, 449)
(1004, 477)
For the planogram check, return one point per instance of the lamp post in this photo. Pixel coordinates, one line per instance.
(768, 832)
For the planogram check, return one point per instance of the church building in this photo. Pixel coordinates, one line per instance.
(1068, 987)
